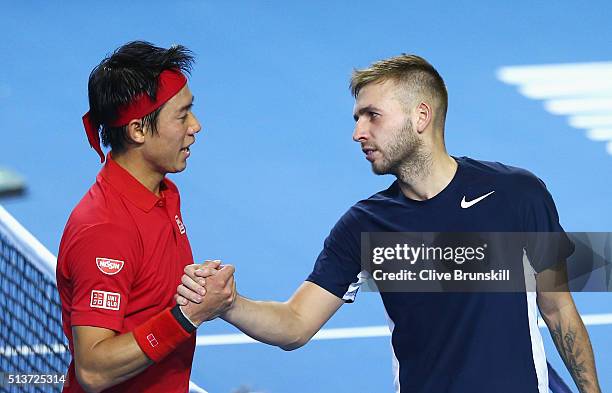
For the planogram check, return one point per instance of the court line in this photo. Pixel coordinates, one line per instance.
(359, 332)
(240, 338)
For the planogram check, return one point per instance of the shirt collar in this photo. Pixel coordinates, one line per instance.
(131, 188)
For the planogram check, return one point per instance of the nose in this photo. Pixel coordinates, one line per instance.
(360, 134)
(195, 125)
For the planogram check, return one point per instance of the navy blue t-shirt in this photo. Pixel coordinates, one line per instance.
(453, 342)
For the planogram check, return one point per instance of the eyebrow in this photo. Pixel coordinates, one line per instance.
(365, 109)
(188, 106)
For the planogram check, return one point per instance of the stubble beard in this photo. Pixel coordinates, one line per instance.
(404, 157)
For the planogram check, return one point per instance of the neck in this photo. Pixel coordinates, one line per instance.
(427, 175)
(134, 165)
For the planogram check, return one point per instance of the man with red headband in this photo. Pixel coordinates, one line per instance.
(125, 245)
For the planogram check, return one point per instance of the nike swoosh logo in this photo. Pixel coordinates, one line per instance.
(465, 204)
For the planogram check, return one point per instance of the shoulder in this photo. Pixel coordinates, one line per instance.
(493, 168)
(373, 202)
(503, 175)
(99, 219)
(521, 189)
(379, 203)
(87, 221)
(381, 200)
(100, 235)
(102, 205)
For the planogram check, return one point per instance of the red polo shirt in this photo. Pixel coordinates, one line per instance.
(120, 260)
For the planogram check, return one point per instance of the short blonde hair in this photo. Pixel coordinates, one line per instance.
(413, 72)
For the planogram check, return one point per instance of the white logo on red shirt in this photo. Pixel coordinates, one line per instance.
(109, 266)
(152, 340)
(105, 300)
(181, 227)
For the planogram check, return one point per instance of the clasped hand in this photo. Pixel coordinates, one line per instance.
(206, 291)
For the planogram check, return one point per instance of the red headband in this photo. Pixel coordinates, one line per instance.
(169, 83)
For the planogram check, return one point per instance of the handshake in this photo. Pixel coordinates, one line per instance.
(207, 291)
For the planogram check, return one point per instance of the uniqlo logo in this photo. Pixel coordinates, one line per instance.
(180, 224)
(105, 300)
(152, 340)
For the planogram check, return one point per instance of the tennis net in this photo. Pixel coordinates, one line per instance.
(31, 336)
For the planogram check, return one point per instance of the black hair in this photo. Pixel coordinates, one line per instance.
(129, 71)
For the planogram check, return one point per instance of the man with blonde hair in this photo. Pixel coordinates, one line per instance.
(442, 342)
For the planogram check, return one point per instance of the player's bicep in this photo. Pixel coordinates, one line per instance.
(314, 306)
(552, 291)
(85, 341)
(552, 279)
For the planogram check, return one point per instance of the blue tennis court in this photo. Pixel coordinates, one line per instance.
(275, 167)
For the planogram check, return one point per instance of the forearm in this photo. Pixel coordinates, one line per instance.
(288, 325)
(572, 341)
(110, 362)
(273, 323)
(103, 359)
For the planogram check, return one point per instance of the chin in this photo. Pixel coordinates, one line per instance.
(380, 169)
(178, 168)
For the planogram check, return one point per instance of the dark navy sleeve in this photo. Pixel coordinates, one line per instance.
(338, 265)
(547, 242)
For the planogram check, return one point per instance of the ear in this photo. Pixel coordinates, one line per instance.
(423, 115)
(135, 131)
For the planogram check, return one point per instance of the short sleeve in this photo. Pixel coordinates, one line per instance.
(338, 266)
(547, 242)
(101, 268)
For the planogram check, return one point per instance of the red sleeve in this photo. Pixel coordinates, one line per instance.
(101, 265)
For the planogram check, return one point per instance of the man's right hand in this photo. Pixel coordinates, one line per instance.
(209, 294)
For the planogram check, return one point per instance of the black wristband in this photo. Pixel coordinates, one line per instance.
(182, 320)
